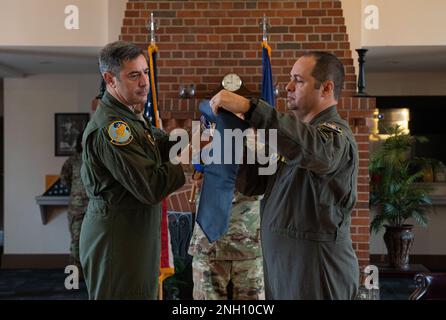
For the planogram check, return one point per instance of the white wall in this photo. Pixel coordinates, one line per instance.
(42, 22)
(401, 22)
(404, 23)
(116, 12)
(406, 83)
(30, 105)
(353, 22)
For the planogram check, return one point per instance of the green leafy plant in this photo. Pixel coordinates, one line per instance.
(394, 190)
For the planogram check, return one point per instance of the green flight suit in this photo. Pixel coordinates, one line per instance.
(306, 210)
(120, 235)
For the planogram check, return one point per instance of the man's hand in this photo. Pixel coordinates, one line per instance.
(231, 102)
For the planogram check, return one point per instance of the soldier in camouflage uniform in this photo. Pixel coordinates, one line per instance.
(70, 176)
(236, 257)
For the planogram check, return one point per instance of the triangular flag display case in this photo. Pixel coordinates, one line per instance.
(56, 195)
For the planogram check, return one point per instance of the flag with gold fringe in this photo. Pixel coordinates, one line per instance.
(267, 75)
(152, 113)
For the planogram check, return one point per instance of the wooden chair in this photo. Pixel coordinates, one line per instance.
(430, 286)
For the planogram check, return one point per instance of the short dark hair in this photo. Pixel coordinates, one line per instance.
(114, 54)
(327, 67)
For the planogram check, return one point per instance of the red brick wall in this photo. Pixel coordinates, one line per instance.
(200, 41)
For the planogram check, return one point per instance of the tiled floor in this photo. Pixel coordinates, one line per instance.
(49, 285)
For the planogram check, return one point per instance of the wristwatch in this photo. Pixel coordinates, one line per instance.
(252, 105)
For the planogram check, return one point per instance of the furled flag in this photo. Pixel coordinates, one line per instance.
(214, 209)
(151, 107)
(267, 76)
(152, 113)
(217, 192)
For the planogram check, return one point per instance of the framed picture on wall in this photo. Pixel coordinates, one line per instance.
(68, 126)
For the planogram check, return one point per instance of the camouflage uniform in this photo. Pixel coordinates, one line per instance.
(70, 176)
(236, 257)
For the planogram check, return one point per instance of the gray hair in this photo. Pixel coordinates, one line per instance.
(114, 54)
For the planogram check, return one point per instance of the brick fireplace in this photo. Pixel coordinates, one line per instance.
(200, 41)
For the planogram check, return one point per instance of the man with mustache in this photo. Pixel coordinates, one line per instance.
(306, 210)
(126, 172)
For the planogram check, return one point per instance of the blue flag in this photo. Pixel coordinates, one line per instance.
(214, 209)
(217, 192)
(206, 111)
(267, 76)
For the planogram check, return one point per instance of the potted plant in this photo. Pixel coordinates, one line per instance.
(396, 195)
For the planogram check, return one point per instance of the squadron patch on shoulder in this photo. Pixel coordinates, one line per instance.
(331, 127)
(120, 133)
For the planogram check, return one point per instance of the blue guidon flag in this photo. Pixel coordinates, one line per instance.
(217, 192)
(214, 209)
(267, 78)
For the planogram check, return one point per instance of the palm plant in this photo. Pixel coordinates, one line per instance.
(394, 191)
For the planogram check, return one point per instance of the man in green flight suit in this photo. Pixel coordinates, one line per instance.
(126, 173)
(305, 213)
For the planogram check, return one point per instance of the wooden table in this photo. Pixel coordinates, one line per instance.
(386, 271)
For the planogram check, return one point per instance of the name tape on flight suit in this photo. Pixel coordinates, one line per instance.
(331, 127)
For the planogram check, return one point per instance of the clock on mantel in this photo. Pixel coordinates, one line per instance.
(234, 83)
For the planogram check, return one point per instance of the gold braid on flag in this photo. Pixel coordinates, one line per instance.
(153, 49)
(266, 45)
(165, 271)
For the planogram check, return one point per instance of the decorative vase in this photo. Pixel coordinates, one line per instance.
(399, 241)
